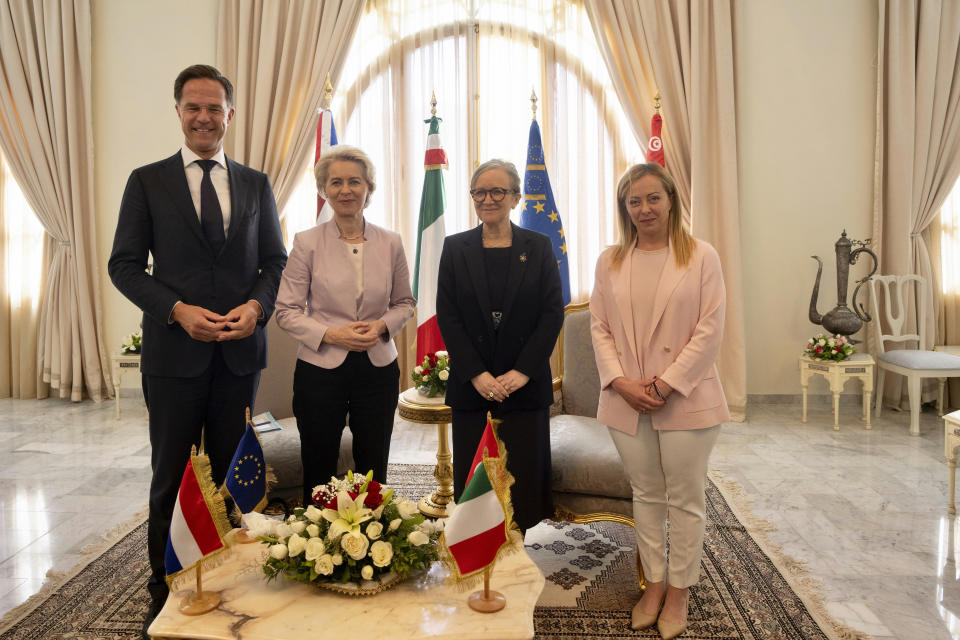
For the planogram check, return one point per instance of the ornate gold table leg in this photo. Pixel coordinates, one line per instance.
(435, 505)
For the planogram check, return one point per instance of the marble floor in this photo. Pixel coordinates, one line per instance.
(865, 510)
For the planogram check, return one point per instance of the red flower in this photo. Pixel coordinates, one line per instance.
(819, 350)
(426, 372)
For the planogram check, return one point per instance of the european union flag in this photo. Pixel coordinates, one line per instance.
(539, 208)
(247, 476)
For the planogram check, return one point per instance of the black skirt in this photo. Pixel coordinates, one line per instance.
(526, 437)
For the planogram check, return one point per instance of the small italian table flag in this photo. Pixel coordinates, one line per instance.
(479, 528)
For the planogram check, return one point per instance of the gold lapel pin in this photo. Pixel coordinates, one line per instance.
(523, 257)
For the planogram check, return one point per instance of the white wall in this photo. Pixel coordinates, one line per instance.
(806, 95)
(805, 112)
(139, 47)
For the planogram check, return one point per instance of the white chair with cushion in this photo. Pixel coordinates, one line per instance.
(897, 294)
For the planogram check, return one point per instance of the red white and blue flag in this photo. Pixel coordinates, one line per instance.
(326, 138)
(199, 519)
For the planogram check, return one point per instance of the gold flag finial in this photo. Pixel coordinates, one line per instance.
(656, 102)
(533, 103)
(433, 104)
(327, 94)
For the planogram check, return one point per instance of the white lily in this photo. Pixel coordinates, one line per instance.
(348, 517)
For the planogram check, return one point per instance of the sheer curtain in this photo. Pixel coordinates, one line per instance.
(47, 138)
(22, 261)
(483, 60)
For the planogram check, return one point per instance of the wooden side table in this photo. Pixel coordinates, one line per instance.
(951, 440)
(434, 505)
(122, 363)
(859, 365)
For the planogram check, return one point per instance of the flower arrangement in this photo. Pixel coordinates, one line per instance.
(432, 374)
(355, 531)
(822, 347)
(132, 343)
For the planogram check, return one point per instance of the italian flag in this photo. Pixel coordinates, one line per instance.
(477, 530)
(430, 237)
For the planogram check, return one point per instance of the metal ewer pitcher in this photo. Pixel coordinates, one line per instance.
(841, 320)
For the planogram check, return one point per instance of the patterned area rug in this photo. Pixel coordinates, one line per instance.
(590, 585)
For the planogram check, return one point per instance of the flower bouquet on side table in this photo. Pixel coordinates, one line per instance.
(430, 376)
(132, 344)
(355, 539)
(823, 347)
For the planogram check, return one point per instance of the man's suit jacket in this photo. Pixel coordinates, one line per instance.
(686, 329)
(157, 216)
(320, 278)
(532, 317)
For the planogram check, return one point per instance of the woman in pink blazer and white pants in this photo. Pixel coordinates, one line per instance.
(344, 294)
(657, 323)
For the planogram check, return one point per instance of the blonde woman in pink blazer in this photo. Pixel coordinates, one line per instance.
(344, 294)
(657, 323)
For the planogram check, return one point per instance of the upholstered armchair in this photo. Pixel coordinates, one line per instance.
(589, 483)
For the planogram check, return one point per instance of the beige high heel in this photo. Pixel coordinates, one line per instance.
(669, 629)
(642, 620)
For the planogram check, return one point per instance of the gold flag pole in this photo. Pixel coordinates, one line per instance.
(487, 601)
(656, 102)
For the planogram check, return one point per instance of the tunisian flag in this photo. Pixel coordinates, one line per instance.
(655, 148)
(326, 138)
(430, 237)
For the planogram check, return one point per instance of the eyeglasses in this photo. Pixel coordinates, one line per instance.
(497, 194)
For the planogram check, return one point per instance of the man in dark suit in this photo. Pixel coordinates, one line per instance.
(212, 228)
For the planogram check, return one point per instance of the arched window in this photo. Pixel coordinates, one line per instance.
(483, 60)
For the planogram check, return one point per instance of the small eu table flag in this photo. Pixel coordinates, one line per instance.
(247, 476)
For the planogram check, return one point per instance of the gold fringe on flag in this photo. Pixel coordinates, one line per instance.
(501, 480)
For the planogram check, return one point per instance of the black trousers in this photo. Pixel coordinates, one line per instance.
(526, 436)
(322, 398)
(181, 410)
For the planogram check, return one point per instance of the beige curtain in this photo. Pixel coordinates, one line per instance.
(22, 243)
(917, 143)
(684, 50)
(278, 54)
(46, 136)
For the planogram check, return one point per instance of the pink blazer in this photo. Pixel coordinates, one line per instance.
(318, 291)
(686, 330)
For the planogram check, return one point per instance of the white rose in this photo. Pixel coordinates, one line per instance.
(407, 509)
(381, 552)
(296, 544)
(418, 370)
(395, 524)
(444, 374)
(355, 544)
(313, 530)
(314, 549)
(366, 572)
(374, 530)
(313, 514)
(298, 526)
(292, 518)
(831, 342)
(337, 559)
(417, 538)
(324, 565)
(822, 342)
(441, 354)
(278, 551)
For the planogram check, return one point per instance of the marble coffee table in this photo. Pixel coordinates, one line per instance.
(424, 607)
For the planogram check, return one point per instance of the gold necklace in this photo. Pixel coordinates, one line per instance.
(346, 237)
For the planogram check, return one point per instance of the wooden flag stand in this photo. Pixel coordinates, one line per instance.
(201, 601)
(487, 601)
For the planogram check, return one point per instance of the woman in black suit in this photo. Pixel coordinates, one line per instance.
(500, 309)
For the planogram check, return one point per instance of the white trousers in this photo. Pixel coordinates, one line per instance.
(667, 471)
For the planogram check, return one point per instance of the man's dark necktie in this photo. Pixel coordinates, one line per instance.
(211, 216)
